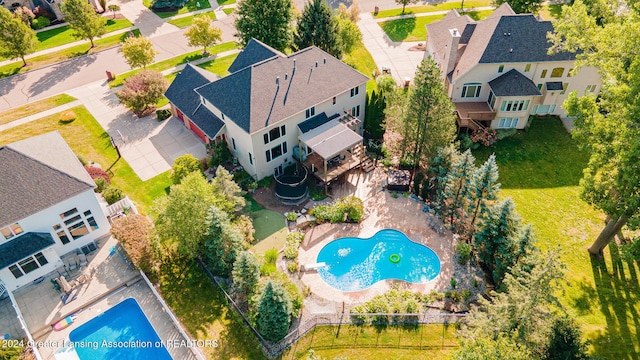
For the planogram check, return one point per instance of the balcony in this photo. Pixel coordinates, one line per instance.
(474, 115)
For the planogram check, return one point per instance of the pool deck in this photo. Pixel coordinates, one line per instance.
(384, 212)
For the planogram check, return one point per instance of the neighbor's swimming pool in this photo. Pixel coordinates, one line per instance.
(354, 264)
(121, 332)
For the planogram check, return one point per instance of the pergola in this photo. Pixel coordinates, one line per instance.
(332, 144)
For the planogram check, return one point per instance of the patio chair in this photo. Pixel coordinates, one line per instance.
(71, 264)
(62, 271)
(82, 259)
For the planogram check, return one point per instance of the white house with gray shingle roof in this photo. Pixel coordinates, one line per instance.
(498, 71)
(47, 208)
(258, 108)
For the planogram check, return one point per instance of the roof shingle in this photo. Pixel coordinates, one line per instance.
(255, 52)
(25, 245)
(513, 83)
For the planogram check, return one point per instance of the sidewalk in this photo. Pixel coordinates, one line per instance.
(432, 13)
(39, 115)
(149, 24)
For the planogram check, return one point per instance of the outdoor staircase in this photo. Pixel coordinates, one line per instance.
(366, 164)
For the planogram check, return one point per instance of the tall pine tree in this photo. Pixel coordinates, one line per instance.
(484, 189)
(458, 187)
(273, 311)
(246, 274)
(317, 26)
(266, 20)
(222, 243)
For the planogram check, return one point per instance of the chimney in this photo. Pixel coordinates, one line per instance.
(451, 54)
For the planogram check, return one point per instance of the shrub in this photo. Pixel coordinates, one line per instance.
(267, 269)
(295, 237)
(453, 283)
(465, 142)
(220, 154)
(67, 116)
(168, 5)
(265, 182)
(96, 172)
(271, 256)
(163, 114)
(112, 194)
(464, 252)
(134, 233)
(40, 22)
(466, 295)
(101, 184)
(292, 216)
(335, 213)
(453, 295)
(142, 90)
(505, 133)
(244, 225)
(42, 11)
(183, 166)
(291, 252)
(82, 160)
(486, 136)
(292, 266)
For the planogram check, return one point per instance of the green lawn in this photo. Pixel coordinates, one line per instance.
(413, 28)
(190, 6)
(34, 108)
(62, 55)
(219, 66)
(204, 312)
(271, 232)
(228, 10)
(226, 2)
(361, 60)
(175, 61)
(369, 342)
(187, 20)
(86, 137)
(432, 8)
(540, 170)
(551, 12)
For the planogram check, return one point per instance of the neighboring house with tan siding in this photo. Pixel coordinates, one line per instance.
(498, 71)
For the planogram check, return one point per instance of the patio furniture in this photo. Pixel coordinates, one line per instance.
(62, 271)
(82, 259)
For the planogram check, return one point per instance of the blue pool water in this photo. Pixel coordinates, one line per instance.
(354, 264)
(121, 332)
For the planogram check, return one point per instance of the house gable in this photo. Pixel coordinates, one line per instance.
(513, 83)
(255, 52)
(23, 246)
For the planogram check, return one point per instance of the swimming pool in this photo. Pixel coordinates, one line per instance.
(121, 332)
(354, 263)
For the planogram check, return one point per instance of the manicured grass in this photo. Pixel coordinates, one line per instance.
(271, 232)
(175, 61)
(219, 66)
(66, 54)
(226, 2)
(369, 342)
(204, 312)
(86, 137)
(432, 8)
(228, 10)
(187, 20)
(35, 107)
(413, 28)
(409, 29)
(541, 170)
(190, 6)
(361, 60)
(551, 12)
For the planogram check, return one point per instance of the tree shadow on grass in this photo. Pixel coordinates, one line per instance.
(618, 292)
(398, 30)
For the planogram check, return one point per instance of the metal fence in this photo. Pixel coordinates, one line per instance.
(409, 322)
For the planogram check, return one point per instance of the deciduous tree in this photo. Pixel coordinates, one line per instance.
(183, 166)
(138, 51)
(272, 313)
(83, 19)
(203, 33)
(522, 6)
(17, 39)
(349, 35)
(404, 3)
(317, 26)
(134, 232)
(113, 8)
(267, 21)
(484, 348)
(142, 90)
(606, 127)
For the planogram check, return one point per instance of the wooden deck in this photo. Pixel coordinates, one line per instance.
(315, 164)
(472, 114)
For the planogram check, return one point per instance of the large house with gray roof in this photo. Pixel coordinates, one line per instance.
(498, 71)
(49, 209)
(271, 105)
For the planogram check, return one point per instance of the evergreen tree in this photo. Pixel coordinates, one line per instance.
(183, 166)
(484, 348)
(458, 187)
(272, 313)
(502, 241)
(565, 342)
(138, 51)
(246, 274)
(17, 39)
(202, 33)
(266, 20)
(484, 189)
(374, 115)
(83, 19)
(426, 120)
(229, 195)
(439, 168)
(223, 242)
(317, 26)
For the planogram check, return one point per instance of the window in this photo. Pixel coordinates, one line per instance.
(334, 100)
(544, 74)
(310, 112)
(355, 91)
(492, 100)
(539, 86)
(68, 213)
(41, 259)
(233, 143)
(11, 231)
(527, 68)
(590, 89)
(75, 227)
(471, 90)
(222, 116)
(557, 72)
(268, 154)
(570, 72)
(15, 271)
(500, 68)
(508, 123)
(250, 159)
(355, 111)
(266, 138)
(78, 230)
(274, 133)
(276, 151)
(514, 105)
(564, 88)
(28, 265)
